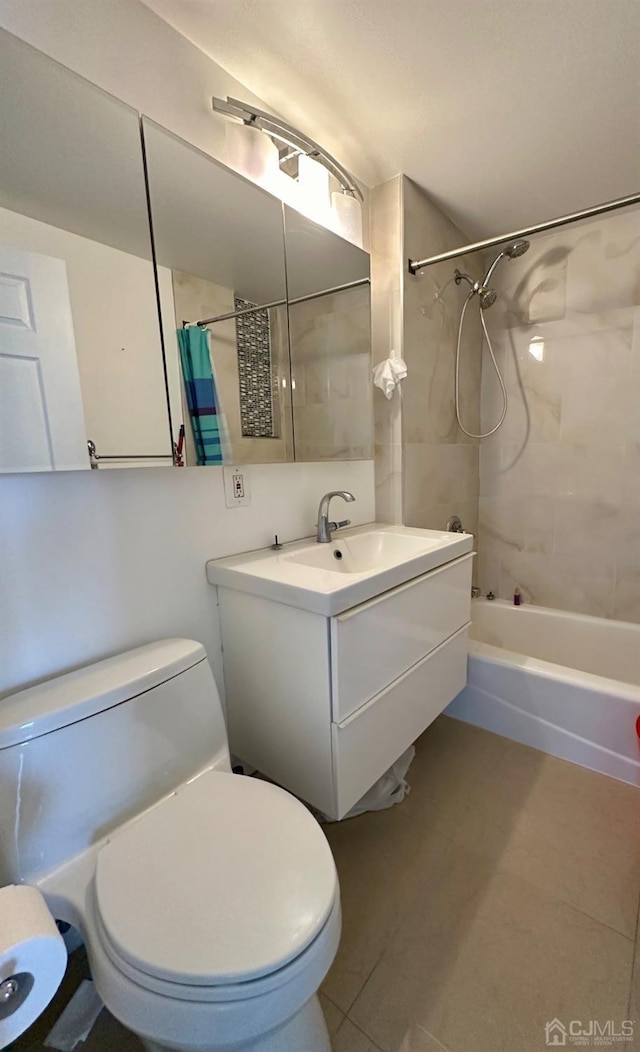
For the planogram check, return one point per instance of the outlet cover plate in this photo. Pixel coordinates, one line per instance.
(237, 486)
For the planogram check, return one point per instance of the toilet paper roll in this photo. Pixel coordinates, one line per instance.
(33, 959)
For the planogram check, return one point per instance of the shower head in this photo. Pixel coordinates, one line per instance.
(516, 248)
(512, 251)
(487, 298)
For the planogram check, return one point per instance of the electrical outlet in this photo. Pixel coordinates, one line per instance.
(237, 488)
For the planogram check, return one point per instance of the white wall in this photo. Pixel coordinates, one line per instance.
(127, 50)
(97, 561)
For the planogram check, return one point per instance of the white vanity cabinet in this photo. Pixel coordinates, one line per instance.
(324, 705)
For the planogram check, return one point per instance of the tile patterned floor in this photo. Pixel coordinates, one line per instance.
(502, 893)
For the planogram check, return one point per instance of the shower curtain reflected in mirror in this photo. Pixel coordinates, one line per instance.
(210, 434)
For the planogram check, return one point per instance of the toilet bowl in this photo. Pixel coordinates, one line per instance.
(208, 902)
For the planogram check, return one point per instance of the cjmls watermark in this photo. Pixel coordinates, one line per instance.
(590, 1033)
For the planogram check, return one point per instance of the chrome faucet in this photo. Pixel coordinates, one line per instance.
(324, 527)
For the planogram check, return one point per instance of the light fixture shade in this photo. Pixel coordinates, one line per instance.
(251, 152)
(313, 191)
(284, 187)
(314, 179)
(348, 213)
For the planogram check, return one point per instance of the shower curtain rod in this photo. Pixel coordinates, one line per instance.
(609, 206)
(278, 303)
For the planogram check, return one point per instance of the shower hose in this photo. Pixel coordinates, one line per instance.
(493, 430)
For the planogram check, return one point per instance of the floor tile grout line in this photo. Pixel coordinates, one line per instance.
(377, 962)
(360, 1031)
(331, 1001)
(571, 905)
(634, 959)
(362, 988)
(499, 868)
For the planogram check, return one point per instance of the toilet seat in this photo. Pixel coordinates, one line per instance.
(188, 1017)
(226, 993)
(223, 883)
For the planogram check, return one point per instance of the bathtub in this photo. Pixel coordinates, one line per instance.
(567, 684)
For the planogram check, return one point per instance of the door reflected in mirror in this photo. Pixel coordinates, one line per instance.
(80, 349)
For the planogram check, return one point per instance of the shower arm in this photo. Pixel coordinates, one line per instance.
(475, 286)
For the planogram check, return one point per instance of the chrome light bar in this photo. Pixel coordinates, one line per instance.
(283, 132)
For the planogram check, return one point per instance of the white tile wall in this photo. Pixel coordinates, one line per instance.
(560, 482)
(440, 462)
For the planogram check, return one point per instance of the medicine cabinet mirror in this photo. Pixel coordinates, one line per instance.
(80, 351)
(280, 368)
(276, 304)
(220, 255)
(330, 336)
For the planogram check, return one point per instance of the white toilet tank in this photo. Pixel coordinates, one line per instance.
(83, 753)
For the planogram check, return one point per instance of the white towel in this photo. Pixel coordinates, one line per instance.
(388, 375)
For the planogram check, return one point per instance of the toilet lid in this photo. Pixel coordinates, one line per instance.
(225, 881)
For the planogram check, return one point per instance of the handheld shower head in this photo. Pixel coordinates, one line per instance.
(512, 251)
(487, 298)
(517, 248)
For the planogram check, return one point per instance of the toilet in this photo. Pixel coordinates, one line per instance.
(208, 902)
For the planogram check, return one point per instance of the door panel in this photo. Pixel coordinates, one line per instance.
(42, 424)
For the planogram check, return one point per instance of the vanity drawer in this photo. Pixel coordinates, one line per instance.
(370, 740)
(373, 644)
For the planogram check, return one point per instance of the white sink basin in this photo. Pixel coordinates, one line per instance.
(329, 578)
(363, 552)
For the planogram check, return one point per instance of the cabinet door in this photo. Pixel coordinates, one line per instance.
(276, 677)
(373, 644)
(80, 348)
(370, 740)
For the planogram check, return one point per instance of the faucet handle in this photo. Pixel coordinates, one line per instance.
(345, 522)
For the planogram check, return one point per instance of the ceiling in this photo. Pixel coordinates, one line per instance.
(507, 112)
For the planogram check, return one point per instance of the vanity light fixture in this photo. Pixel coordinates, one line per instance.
(254, 155)
(313, 183)
(284, 134)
